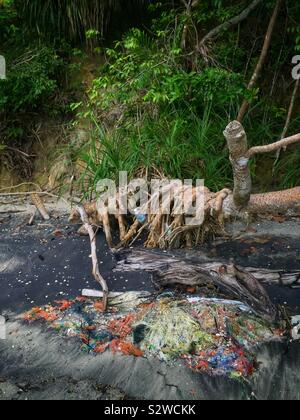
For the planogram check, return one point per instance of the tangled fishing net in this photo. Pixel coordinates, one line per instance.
(215, 336)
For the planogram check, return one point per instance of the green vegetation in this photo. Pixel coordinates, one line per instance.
(160, 103)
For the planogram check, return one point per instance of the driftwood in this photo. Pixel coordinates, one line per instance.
(227, 280)
(96, 271)
(151, 261)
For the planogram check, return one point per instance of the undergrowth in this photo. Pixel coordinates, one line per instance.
(158, 110)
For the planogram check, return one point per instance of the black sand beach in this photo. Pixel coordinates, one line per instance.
(45, 262)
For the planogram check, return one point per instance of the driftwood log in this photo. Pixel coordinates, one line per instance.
(214, 278)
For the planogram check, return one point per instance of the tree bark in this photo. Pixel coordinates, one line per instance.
(285, 202)
(280, 202)
(238, 147)
(262, 58)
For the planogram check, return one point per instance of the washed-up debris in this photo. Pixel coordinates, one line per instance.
(208, 335)
(214, 278)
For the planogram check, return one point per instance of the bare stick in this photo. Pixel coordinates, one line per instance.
(262, 58)
(122, 226)
(132, 231)
(189, 5)
(31, 220)
(273, 146)
(13, 187)
(37, 201)
(288, 118)
(96, 271)
(230, 23)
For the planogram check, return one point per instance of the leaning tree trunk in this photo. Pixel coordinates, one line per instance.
(280, 202)
(238, 147)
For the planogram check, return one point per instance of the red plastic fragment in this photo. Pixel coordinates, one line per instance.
(128, 349)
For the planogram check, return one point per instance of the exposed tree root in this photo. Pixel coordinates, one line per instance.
(172, 231)
(164, 228)
(165, 219)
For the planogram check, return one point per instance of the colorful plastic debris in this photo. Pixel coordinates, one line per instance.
(214, 336)
(126, 348)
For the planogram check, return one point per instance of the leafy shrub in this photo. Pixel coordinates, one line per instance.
(31, 80)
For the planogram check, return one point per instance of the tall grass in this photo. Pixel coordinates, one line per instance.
(185, 147)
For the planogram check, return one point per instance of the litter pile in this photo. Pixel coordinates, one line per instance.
(208, 335)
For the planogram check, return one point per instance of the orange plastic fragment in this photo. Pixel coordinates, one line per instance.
(128, 349)
(39, 313)
(63, 305)
(202, 365)
(122, 327)
(100, 348)
(99, 306)
(90, 328)
(84, 339)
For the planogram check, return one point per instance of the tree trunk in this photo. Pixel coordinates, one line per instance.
(238, 147)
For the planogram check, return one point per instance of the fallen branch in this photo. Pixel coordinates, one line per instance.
(31, 220)
(96, 270)
(285, 202)
(13, 187)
